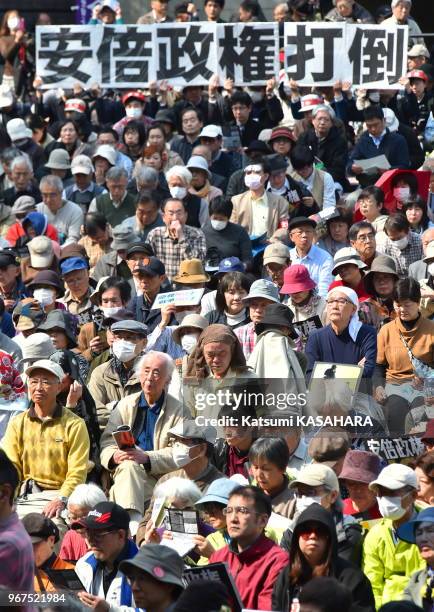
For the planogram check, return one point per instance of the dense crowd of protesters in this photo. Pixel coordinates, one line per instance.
(302, 266)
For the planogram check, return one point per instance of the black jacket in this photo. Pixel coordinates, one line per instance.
(346, 573)
(332, 151)
(144, 313)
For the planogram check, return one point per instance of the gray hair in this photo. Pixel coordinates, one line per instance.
(181, 172)
(324, 107)
(87, 496)
(182, 490)
(53, 181)
(282, 5)
(116, 173)
(168, 361)
(11, 153)
(144, 174)
(23, 158)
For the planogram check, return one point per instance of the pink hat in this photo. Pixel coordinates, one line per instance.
(295, 279)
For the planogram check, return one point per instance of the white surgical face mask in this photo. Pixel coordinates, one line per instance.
(401, 243)
(44, 296)
(13, 23)
(178, 193)
(188, 342)
(390, 507)
(305, 501)
(181, 454)
(180, 316)
(253, 181)
(431, 269)
(218, 225)
(110, 311)
(133, 112)
(401, 194)
(124, 350)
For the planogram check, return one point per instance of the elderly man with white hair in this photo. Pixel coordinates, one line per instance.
(148, 415)
(21, 173)
(179, 181)
(66, 216)
(401, 16)
(83, 499)
(345, 339)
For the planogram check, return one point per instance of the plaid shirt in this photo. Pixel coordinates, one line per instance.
(412, 252)
(247, 337)
(172, 252)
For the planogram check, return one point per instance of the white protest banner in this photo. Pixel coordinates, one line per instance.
(368, 56)
(126, 56)
(185, 297)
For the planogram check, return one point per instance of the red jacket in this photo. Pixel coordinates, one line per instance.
(255, 570)
(16, 231)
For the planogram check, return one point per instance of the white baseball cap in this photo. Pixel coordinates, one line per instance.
(395, 476)
(49, 366)
(211, 131)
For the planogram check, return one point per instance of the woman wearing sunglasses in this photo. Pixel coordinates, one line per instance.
(314, 553)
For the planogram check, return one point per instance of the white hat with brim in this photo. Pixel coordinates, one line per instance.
(395, 476)
(346, 256)
(48, 366)
(17, 130)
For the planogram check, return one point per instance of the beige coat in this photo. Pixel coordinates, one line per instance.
(106, 390)
(242, 213)
(171, 413)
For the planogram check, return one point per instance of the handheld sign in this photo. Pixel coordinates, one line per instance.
(185, 297)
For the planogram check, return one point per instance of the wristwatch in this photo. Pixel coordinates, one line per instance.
(63, 499)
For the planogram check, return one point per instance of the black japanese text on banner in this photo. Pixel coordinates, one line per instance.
(369, 56)
(126, 56)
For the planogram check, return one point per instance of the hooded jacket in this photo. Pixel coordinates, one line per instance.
(343, 571)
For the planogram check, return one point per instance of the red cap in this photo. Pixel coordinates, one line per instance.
(281, 132)
(133, 95)
(75, 104)
(295, 279)
(417, 74)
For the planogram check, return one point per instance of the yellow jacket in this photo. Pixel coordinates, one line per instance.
(54, 452)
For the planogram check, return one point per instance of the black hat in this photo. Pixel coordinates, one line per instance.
(258, 145)
(105, 515)
(39, 527)
(60, 319)
(8, 257)
(275, 163)
(161, 562)
(165, 116)
(151, 266)
(298, 221)
(275, 314)
(49, 278)
(140, 247)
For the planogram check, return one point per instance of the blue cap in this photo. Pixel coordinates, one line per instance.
(406, 531)
(219, 491)
(73, 263)
(231, 264)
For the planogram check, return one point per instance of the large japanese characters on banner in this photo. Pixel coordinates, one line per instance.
(134, 55)
(369, 56)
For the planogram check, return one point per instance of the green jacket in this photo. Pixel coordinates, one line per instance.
(115, 216)
(388, 565)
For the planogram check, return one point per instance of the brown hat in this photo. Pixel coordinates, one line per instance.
(361, 466)
(72, 250)
(329, 447)
(191, 271)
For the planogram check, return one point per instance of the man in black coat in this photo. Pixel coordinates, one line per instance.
(327, 143)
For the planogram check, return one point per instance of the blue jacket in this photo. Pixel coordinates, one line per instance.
(393, 146)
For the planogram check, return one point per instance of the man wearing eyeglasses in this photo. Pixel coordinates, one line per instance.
(150, 413)
(362, 238)
(254, 560)
(317, 261)
(256, 210)
(48, 444)
(105, 530)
